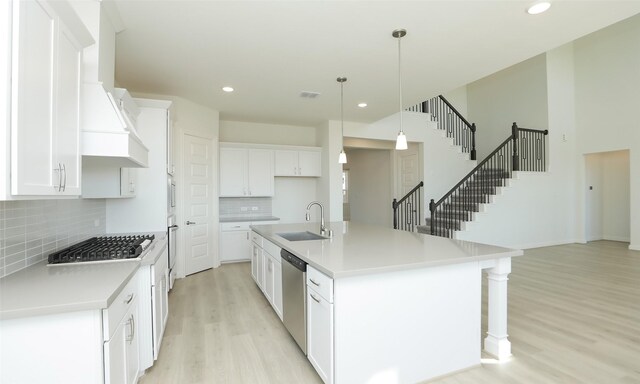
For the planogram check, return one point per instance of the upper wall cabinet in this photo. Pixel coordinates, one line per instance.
(246, 172)
(43, 142)
(298, 163)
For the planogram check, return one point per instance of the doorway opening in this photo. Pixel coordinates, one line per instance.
(375, 173)
(608, 196)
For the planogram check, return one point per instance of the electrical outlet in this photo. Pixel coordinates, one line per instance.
(243, 209)
(254, 208)
(96, 222)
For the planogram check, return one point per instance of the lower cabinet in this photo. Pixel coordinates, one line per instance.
(120, 330)
(234, 243)
(235, 240)
(320, 324)
(273, 282)
(266, 270)
(121, 350)
(159, 300)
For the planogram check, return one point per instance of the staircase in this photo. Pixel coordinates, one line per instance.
(523, 150)
(451, 122)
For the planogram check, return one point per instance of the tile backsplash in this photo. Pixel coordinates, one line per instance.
(31, 230)
(245, 206)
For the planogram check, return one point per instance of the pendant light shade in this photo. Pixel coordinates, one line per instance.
(401, 141)
(342, 159)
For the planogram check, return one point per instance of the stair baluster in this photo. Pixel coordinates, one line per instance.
(407, 211)
(524, 150)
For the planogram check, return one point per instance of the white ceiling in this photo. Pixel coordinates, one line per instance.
(270, 51)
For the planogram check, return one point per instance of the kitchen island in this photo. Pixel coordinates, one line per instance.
(398, 307)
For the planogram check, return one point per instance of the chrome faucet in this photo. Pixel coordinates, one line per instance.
(323, 230)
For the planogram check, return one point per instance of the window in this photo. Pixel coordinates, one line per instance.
(345, 186)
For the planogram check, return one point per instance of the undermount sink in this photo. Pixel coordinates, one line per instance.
(301, 236)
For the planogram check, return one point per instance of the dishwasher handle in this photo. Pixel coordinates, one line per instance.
(294, 260)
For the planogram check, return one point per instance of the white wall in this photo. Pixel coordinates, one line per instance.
(370, 185)
(246, 132)
(291, 197)
(329, 190)
(516, 94)
(607, 77)
(458, 98)
(538, 208)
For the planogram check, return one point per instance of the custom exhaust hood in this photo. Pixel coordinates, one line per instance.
(109, 114)
(108, 132)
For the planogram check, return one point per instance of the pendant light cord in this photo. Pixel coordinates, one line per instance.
(342, 112)
(400, 80)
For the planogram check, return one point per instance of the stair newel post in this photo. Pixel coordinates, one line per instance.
(514, 135)
(394, 205)
(432, 209)
(473, 141)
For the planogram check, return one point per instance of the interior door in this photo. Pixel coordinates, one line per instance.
(198, 192)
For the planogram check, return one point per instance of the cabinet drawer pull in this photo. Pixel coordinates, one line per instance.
(314, 298)
(314, 283)
(128, 299)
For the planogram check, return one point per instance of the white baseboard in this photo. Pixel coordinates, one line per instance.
(616, 238)
(546, 244)
(634, 247)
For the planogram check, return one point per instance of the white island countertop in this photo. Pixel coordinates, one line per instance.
(43, 290)
(359, 249)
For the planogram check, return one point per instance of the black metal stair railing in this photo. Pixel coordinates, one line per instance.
(451, 121)
(407, 211)
(523, 150)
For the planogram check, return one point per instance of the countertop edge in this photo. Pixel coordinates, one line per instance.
(403, 267)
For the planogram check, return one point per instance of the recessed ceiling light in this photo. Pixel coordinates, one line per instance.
(227, 89)
(538, 7)
(362, 105)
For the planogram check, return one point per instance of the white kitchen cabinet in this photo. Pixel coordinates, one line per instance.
(103, 180)
(266, 270)
(159, 300)
(246, 172)
(154, 305)
(128, 180)
(120, 327)
(171, 168)
(320, 325)
(45, 158)
(121, 350)
(298, 163)
(235, 244)
(256, 255)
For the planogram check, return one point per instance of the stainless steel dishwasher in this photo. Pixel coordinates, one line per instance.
(294, 297)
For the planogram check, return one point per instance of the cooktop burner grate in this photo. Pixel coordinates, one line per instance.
(103, 248)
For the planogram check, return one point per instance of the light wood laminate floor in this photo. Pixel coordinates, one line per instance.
(574, 317)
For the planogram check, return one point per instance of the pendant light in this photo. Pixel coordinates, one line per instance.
(401, 141)
(342, 159)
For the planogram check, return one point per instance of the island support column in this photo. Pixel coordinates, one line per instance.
(497, 343)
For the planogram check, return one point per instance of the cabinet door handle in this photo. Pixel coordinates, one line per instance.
(190, 222)
(64, 185)
(314, 283)
(133, 327)
(132, 324)
(59, 170)
(247, 235)
(128, 299)
(314, 298)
